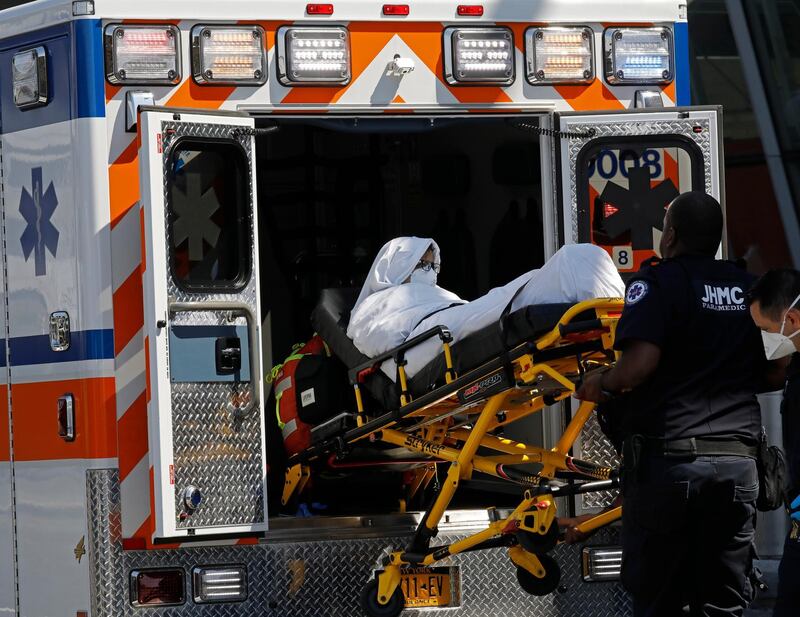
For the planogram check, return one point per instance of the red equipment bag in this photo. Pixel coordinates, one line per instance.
(309, 389)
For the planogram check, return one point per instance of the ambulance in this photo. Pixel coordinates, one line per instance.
(180, 179)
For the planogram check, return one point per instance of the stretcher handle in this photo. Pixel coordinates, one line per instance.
(574, 327)
(398, 354)
(246, 311)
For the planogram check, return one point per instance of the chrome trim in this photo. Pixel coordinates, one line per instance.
(530, 56)
(111, 72)
(41, 74)
(203, 78)
(609, 38)
(69, 419)
(60, 333)
(449, 63)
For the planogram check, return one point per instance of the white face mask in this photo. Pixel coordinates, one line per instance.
(778, 345)
(424, 277)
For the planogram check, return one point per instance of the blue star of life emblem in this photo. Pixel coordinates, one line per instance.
(636, 292)
(37, 207)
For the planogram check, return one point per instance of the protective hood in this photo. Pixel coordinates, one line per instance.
(395, 263)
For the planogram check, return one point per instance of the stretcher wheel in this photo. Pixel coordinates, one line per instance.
(370, 605)
(536, 543)
(540, 586)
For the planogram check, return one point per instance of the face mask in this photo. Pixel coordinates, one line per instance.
(424, 277)
(778, 345)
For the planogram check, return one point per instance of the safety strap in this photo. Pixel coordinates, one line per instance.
(506, 312)
(432, 313)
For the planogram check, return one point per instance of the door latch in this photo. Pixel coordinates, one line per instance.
(66, 417)
(228, 355)
(60, 334)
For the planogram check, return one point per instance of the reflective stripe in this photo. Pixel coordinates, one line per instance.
(289, 428)
(282, 386)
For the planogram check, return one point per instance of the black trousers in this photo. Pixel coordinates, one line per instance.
(687, 535)
(787, 603)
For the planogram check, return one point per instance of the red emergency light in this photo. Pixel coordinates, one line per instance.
(396, 9)
(470, 10)
(319, 9)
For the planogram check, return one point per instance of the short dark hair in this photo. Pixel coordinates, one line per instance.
(775, 291)
(697, 220)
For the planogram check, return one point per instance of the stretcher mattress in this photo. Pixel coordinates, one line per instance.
(332, 314)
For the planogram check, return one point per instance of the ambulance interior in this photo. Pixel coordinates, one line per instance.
(331, 192)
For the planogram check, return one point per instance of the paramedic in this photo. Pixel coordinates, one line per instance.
(691, 362)
(775, 307)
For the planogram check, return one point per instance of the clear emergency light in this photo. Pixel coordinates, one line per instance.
(638, 55)
(559, 55)
(479, 56)
(29, 76)
(229, 55)
(601, 563)
(219, 584)
(143, 54)
(313, 55)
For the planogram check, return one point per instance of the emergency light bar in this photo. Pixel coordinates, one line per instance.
(638, 55)
(479, 56)
(229, 55)
(29, 74)
(313, 55)
(143, 54)
(559, 55)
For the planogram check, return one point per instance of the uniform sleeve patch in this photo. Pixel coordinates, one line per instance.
(636, 291)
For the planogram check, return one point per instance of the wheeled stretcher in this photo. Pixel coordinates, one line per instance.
(450, 411)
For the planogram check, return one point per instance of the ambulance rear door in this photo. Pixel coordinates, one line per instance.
(615, 173)
(202, 323)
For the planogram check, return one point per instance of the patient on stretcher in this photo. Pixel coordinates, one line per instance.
(400, 298)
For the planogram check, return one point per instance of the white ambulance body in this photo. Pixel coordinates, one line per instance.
(117, 116)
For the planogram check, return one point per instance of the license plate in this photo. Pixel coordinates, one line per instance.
(426, 587)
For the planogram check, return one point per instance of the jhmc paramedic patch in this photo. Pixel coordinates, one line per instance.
(636, 291)
(722, 297)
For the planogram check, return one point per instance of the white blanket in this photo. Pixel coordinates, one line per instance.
(391, 310)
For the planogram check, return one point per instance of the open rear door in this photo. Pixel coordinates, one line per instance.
(617, 172)
(202, 323)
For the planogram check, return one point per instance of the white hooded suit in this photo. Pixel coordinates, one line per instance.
(390, 310)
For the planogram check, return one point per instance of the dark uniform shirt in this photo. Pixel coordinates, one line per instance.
(712, 357)
(790, 410)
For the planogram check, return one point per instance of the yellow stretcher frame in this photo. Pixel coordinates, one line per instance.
(531, 522)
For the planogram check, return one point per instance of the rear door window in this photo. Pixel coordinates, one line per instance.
(208, 223)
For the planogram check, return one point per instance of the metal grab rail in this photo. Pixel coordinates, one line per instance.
(246, 311)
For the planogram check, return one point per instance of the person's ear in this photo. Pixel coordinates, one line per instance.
(792, 321)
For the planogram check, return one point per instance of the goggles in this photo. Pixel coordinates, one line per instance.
(425, 266)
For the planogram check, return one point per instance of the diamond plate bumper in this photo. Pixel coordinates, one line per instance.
(323, 578)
